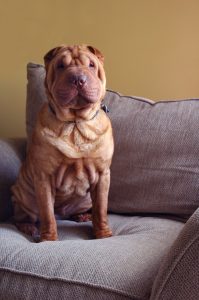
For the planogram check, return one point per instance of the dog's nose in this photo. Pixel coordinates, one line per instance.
(82, 80)
(78, 80)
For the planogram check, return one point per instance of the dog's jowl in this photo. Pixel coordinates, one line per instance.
(67, 168)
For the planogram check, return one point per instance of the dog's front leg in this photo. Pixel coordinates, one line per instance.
(45, 201)
(100, 203)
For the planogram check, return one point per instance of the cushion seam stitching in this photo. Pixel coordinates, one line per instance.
(91, 285)
(152, 102)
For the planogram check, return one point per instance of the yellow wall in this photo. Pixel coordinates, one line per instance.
(151, 47)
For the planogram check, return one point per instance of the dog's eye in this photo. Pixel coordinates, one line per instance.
(91, 64)
(60, 66)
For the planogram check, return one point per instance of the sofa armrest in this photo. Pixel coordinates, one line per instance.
(12, 153)
(178, 277)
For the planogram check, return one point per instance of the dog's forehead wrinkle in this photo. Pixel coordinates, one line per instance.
(67, 58)
(84, 59)
(75, 51)
(81, 59)
(75, 55)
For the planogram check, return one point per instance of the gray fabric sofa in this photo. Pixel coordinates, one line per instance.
(153, 213)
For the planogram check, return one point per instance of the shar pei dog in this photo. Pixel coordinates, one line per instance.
(67, 168)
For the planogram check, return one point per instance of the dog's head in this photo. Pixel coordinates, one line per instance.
(75, 81)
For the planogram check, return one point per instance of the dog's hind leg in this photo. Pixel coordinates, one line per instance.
(25, 223)
(29, 229)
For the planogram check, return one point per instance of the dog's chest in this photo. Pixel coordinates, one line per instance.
(75, 178)
(80, 136)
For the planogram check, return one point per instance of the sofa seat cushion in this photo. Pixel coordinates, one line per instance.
(80, 267)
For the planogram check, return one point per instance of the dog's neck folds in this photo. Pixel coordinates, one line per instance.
(75, 139)
(76, 119)
(103, 107)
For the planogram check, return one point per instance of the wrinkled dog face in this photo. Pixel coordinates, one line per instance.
(75, 78)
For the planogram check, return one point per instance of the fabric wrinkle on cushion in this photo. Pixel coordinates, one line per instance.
(125, 264)
(155, 166)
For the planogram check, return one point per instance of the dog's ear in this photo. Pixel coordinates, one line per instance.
(51, 54)
(97, 53)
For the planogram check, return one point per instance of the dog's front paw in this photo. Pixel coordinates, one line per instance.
(48, 237)
(103, 233)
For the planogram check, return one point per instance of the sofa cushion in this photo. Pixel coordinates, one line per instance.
(12, 152)
(79, 267)
(155, 166)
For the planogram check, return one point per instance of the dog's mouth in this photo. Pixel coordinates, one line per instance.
(76, 99)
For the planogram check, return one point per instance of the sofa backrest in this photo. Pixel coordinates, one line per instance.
(155, 167)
